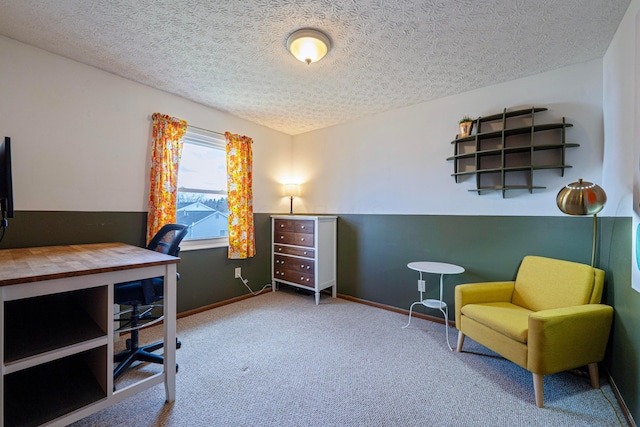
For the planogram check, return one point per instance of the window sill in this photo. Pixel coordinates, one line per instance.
(197, 244)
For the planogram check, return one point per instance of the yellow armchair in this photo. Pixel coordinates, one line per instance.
(548, 320)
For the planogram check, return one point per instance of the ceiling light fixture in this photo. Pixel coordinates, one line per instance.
(308, 45)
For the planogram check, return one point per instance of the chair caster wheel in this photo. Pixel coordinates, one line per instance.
(176, 368)
(178, 343)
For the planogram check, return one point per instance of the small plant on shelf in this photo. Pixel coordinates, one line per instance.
(466, 124)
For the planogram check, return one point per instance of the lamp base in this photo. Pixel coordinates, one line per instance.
(291, 205)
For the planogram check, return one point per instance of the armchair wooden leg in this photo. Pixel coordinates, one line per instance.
(594, 375)
(538, 389)
(460, 341)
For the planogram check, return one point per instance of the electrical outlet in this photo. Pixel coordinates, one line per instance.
(238, 272)
(421, 285)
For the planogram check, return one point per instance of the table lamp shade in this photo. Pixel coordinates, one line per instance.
(291, 190)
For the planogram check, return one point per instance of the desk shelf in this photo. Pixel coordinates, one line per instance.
(45, 323)
(45, 392)
(505, 159)
(55, 354)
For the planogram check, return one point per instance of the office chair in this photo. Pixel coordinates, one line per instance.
(142, 296)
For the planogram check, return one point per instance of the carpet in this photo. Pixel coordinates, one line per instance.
(279, 359)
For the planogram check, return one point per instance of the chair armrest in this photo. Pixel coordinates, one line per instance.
(567, 338)
(474, 293)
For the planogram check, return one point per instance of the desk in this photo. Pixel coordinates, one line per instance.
(440, 268)
(57, 329)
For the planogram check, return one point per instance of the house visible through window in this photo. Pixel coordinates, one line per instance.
(202, 189)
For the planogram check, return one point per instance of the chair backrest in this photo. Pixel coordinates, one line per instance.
(546, 283)
(167, 239)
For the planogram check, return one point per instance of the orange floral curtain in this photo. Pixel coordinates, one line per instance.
(240, 196)
(166, 149)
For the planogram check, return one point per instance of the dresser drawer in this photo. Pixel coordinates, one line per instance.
(303, 226)
(293, 276)
(295, 225)
(283, 225)
(284, 262)
(289, 238)
(288, 250)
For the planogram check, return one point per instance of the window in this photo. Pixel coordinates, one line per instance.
(202, 190)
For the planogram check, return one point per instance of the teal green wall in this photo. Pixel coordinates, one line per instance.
(373, 252)
(206, 276)
(623, 355)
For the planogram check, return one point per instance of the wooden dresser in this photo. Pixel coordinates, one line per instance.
(304, 252)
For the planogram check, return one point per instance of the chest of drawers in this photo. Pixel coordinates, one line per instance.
(304, 252)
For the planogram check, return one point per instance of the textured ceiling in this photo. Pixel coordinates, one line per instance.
(386, 54)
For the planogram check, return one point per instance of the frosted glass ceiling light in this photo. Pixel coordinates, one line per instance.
(308, 45)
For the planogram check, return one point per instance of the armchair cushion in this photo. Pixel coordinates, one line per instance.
(503, 317)
(542, 284)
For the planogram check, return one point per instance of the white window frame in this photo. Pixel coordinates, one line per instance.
(214, 140)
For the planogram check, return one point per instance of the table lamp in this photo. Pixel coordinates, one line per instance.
(291, 191)
(583, 198)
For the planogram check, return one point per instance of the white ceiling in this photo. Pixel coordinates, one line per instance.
(386, 54)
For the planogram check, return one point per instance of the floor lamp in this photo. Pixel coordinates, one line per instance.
(583, 198)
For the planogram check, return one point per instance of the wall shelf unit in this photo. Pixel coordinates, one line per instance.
(505, 156)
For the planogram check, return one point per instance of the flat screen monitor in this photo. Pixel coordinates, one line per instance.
(6, 185)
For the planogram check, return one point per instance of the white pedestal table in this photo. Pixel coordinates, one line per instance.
(440, 268)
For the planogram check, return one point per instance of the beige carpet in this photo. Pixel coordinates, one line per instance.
(280, 360)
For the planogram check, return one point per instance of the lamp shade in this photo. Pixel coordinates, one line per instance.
(291, 190)
(308, 45)
(581, 198)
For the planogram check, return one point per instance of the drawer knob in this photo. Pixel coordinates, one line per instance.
(302, 227)
(282, 237)
(305, 252)
(302, 239)
(307, 280)
(308, 267)
(301, 265)
(279, 249)
(281, 225)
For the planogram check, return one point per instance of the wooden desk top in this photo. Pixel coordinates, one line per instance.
(25, 265)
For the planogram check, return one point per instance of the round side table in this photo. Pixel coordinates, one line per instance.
(440, 268)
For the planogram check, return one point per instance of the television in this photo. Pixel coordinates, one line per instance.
(6, 185)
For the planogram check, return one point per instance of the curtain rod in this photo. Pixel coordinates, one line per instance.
(206, 130)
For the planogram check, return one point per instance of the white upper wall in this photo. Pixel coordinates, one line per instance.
(82, 140)
(621, 105)
(395, 162)
(81, 136)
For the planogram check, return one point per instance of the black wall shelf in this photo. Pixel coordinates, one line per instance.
(493, 155)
